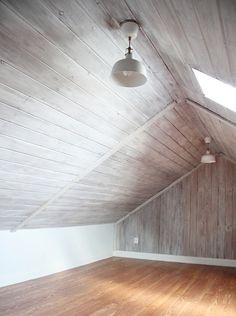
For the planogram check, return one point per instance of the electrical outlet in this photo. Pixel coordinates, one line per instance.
(135, 240)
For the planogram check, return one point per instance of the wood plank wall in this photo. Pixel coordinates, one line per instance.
(196, 217)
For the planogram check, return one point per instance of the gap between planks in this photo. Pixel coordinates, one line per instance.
(96, 164)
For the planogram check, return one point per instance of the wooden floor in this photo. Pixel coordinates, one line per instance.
(126, 287)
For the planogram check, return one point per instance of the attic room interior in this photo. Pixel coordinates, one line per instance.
(118, 157)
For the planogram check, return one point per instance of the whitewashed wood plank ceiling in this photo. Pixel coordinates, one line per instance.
(62, 119)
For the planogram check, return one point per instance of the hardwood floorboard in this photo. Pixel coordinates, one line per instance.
(126, 287)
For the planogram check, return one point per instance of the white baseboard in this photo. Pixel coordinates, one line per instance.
(173, 258)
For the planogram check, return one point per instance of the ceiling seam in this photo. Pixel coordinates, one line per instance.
(218, 141)
(221, 154)
(157, 52)
(208, 111)
(159, 193)
(95, 165)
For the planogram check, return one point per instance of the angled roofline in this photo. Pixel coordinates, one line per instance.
(170, 186)
(159, 193)
(214, 114)
(227, 158)
(98, 162)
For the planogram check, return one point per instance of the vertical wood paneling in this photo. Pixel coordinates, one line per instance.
(229, 207)
(214, 208)
(193, 214)
(221, 214)
(60, 113)
(208, 212)
(234, 218)
(149, 233)
(186, 220)
(163, 240)
(196, 217)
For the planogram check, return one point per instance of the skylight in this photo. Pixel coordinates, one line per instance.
(217, 90)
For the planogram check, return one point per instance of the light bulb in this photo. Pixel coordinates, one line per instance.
(127, 73)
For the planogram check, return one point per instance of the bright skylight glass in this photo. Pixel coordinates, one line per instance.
(217, 90)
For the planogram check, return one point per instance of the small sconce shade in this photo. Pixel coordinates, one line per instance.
(208, 157)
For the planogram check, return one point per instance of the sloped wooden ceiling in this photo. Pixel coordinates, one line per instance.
(189, 33)
(76, 149)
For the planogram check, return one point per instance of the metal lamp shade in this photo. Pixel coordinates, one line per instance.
(208, 158)
(129, 72)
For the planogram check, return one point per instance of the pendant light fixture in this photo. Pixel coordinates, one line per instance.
(129, 72)
(208, 157)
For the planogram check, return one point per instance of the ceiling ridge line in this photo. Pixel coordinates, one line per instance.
(212, 113)
(159, 193)
(221, 154)
(158, 53)
(95, 165)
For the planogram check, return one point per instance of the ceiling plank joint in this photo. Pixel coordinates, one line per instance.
(95, 165)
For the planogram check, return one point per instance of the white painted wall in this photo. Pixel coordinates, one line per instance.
(29, 254)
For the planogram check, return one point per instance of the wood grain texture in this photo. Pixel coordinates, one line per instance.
(196, 217)
(126, 287)
(222, 132)
(60, 114)
(189, 33)
(163, 152)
